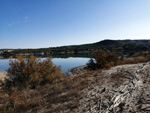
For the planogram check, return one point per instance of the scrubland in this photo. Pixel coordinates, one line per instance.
(114, 84)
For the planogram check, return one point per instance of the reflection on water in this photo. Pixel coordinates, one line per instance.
(65, 63)
(83, 55)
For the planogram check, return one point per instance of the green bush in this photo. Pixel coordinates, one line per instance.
(91, 65)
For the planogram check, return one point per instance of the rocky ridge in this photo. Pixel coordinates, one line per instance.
(121, 89)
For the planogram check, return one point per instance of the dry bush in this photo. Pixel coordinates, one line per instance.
(103, 60)
(31, 71)
(55, 89)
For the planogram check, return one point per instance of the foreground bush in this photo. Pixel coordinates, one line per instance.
(103, 59)
(31, 71)
(36, 85)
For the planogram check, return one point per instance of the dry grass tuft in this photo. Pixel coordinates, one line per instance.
(134, 60)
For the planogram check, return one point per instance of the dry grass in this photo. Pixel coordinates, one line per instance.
(22, 101)
(61, 96)
(47, 98)
(134, 60)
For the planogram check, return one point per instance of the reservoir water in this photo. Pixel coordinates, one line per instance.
(65, 63)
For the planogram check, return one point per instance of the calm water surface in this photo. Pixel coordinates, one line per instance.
(65, 63)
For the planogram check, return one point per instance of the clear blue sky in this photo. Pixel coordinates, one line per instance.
(49, 23)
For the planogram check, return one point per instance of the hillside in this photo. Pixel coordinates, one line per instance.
(118, 46)
(124, 45)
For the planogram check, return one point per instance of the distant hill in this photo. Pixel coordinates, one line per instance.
(118, 46)
(121, 42)
(124, 45)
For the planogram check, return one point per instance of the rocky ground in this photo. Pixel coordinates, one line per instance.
(121, 89)
(78, 70)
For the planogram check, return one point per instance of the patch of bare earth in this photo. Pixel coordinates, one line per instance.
(2, 75)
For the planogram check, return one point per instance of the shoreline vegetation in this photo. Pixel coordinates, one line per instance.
(120, 47)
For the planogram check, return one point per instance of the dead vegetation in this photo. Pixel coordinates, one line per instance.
(61, 95)
(103, 59)
(44, 98)
(136, 59)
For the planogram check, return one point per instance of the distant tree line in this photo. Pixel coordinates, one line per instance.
(117, 46)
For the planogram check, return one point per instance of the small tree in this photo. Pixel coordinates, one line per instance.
(91, 65)
(101, 59)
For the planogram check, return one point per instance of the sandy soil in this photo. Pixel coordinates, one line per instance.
(2, 75)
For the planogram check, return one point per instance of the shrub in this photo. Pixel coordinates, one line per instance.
(103, 60)
(91, 65)
(31, 71)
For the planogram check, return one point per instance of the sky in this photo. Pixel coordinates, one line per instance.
(51, 23)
